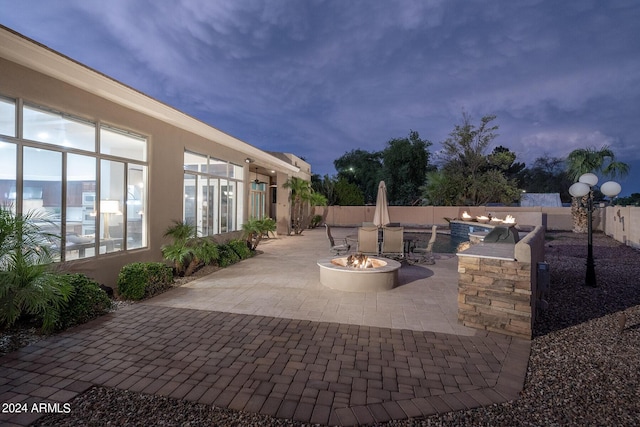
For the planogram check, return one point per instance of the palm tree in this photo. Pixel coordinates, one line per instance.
(315, 199)
(255, 229)
(179, 251)
(603, 161)
(591, 160)
(300, 194)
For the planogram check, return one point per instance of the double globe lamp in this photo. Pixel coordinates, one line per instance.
(584, 187)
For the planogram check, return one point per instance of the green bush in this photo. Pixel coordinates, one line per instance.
(179, 252)
(140, 280)
(204, 251)
(28, 287)
(315, 221)
(255, 229)
(86, 302)
(241, 248)
(227, 255)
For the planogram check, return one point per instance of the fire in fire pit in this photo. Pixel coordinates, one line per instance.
(359, 260)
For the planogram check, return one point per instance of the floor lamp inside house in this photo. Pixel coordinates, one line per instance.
(108, 208)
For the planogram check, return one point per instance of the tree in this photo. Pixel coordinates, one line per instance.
(547, 175)
(300, 194)
(361, 168)
(405, 162)
(440, 189)
(591, 160)
(477, 177)
(325, 186)
(602, 161)
(504, 160)
(632, 200)
(348, 194)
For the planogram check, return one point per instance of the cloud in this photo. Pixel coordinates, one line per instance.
(322, 77)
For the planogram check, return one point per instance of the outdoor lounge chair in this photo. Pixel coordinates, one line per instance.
(368, 240)
(393, 242)
(336, 249)
(425, 255)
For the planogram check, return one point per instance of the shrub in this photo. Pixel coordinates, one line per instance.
(27, 285)
(255, 229)
(204, 251)
(227, 255)
(241, 248)
(140, 280)
(86, 302)
(179, 252)
(315, 221)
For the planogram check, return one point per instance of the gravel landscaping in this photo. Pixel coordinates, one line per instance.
(583, 368)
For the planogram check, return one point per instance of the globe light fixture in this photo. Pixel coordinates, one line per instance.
(579, 189)
(610, 189)
(588, 178)
(582, 188)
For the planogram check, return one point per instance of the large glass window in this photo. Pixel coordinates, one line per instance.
(105, 194)
(239, 204)
(7, 117)
(258, 200)
(80, 215)
(111, 205)
(136, 206)
(7, 174)
(190, 199)
(42, 188)
(122, 144)
(217, 167)
(58, 129)
(226, 198)
(195, 162)
(211, 202)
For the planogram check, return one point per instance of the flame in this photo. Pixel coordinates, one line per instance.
(509, 220)
(465, 215)
(494, 219)
(359, 261)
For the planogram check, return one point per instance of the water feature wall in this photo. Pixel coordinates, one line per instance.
(460, 229)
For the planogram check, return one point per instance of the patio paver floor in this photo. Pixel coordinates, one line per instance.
(309, 369)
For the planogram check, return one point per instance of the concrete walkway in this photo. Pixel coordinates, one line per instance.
(297, 351)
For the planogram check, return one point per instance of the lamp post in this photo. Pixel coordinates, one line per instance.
(582, 188)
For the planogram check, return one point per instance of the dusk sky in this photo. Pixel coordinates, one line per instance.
(320, 78)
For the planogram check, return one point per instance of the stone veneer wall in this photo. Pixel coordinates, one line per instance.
(499, 293)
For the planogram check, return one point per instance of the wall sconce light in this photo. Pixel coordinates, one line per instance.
(248, 160)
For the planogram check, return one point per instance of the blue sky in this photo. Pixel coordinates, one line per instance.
(319, 78)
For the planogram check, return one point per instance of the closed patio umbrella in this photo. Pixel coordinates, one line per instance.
(381, 214)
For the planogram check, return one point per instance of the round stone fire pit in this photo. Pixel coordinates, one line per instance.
(382, 275)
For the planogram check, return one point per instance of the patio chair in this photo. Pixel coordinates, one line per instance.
(425, 255)
(393, 242)
(336, 249)
(368, 240)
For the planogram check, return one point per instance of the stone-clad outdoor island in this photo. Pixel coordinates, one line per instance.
(498, 285)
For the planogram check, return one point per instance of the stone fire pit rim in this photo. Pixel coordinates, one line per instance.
(390, 265)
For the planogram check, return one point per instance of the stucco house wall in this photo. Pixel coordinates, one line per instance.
(32, 73)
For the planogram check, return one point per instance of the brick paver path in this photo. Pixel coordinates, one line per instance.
(316, 372)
